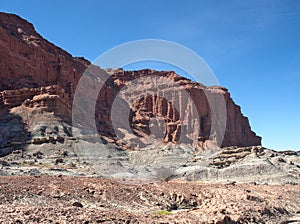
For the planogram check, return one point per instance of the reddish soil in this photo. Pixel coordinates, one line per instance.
(62, 199)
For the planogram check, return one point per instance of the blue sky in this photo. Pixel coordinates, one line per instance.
(253, 47)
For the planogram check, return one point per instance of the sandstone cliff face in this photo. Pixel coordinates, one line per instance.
(170, 119)
(28, 60)
(37, 75)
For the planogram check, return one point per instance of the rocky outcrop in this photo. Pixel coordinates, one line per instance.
(49, 98)
(28, 60)
(30, 65)
(172, 109)
(33, 115)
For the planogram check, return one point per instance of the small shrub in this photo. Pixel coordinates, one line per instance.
(164, 212)
(72, 165)
(27, 163)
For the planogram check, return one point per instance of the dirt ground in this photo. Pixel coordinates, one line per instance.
(60, 199)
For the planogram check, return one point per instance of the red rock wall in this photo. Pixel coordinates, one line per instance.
(49, 98)
(238, 131)
(30, 61)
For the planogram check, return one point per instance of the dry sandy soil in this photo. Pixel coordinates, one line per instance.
(60, 199)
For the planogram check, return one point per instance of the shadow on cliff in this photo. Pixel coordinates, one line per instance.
(13, 132)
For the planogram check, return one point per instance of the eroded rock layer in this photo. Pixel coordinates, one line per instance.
(36, 74)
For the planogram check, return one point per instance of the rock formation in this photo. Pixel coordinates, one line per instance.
(168, 121)
(178, 118)
(28, 60)
(168, 131)
(36, 74)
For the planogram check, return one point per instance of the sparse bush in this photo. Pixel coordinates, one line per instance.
(72, 165)
(27, 163)
(164, 212)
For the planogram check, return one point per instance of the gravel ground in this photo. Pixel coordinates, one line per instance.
(61, 199)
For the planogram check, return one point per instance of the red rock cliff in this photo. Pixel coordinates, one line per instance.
(238, 131)
(30, 61)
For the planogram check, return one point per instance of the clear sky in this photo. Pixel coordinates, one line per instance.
(253, 47)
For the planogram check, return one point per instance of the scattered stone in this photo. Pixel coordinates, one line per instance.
(232, 183)
(38, 154)
(120, 201)
(253, 198)
(59, 160)
(77, 204)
